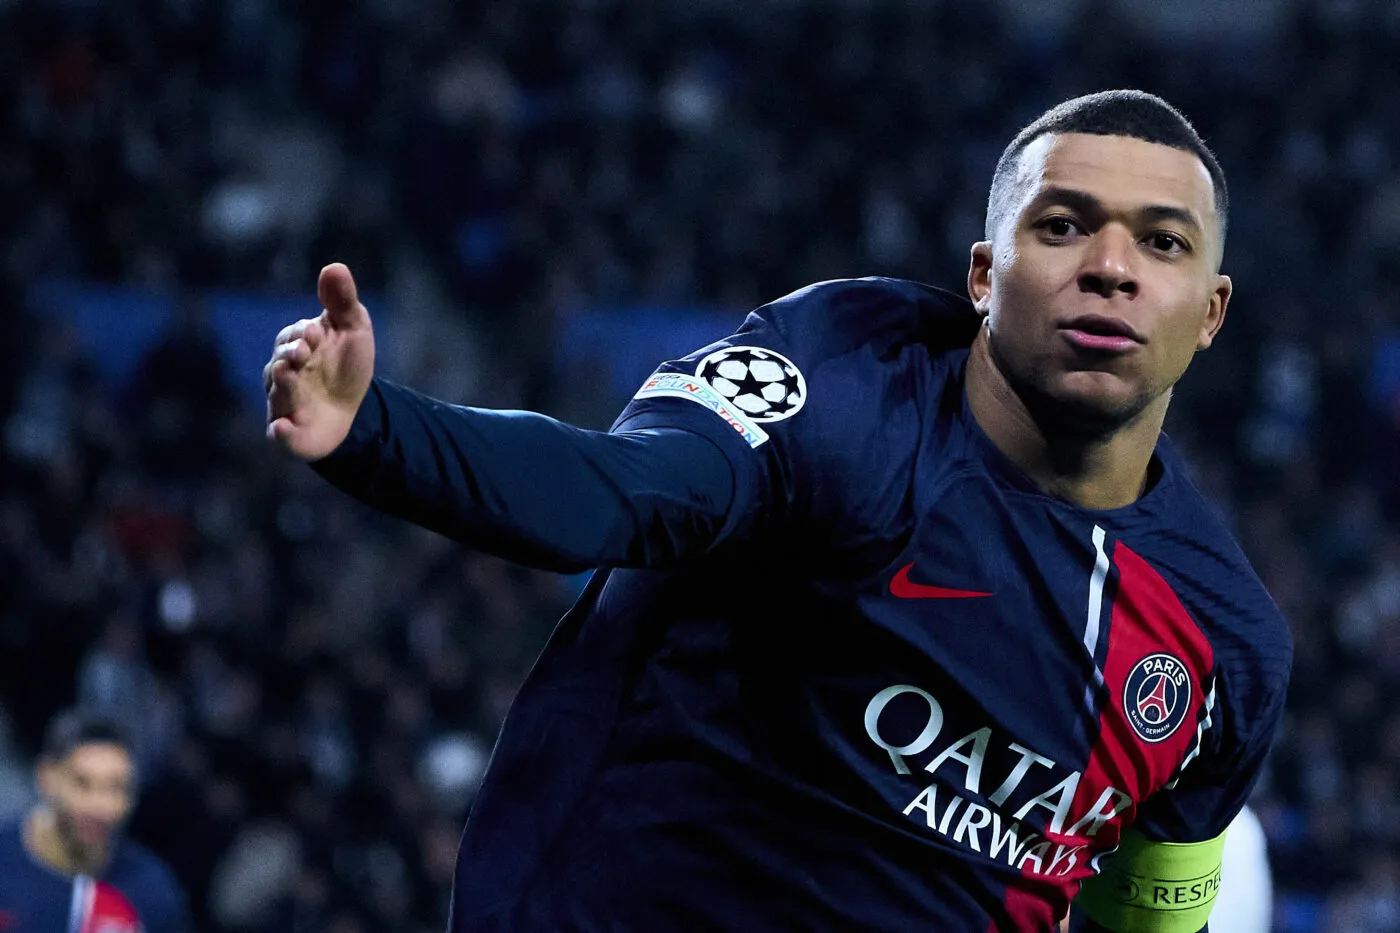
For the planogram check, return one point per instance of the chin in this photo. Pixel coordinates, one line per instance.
(1086, 403)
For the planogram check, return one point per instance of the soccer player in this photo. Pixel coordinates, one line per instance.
(65, 866)
(907, 615)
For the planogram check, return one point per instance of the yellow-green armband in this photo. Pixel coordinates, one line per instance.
(1154, 887)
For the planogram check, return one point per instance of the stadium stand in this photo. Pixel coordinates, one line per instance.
(508, 178)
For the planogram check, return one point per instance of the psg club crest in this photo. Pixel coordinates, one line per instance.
(764, 385)
(1156, 697)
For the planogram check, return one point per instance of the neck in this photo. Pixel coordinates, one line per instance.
(44, 842)
(1095, 471)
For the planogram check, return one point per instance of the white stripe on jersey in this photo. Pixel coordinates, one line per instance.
(81, 905)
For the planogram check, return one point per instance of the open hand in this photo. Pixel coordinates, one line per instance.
(320, 370)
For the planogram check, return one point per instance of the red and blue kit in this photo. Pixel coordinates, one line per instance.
(843, 665)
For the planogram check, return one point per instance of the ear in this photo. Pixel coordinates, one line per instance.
(979, 277)
(44, 777)
(1215, 314)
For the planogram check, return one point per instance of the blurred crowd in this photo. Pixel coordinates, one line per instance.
(317, 688)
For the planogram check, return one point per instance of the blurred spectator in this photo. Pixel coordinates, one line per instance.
(66, 864)
(15, 793)
(114, 677)
(259, 869)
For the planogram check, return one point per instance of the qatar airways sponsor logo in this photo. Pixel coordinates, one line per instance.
(679, 385)
(989, 812)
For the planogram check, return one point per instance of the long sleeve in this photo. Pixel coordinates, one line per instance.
(532, 489)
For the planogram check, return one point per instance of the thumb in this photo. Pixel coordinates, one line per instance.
(336, 289)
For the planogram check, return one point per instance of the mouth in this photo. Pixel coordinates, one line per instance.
(1101, 333)
(91, 832)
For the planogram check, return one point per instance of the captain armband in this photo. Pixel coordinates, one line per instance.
(1154, 887)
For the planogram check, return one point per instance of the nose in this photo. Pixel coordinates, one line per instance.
(1107, 267)
(108, 811)
(106, 806)
(99, 816)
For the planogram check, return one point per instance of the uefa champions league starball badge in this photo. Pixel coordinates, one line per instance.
(763, 384)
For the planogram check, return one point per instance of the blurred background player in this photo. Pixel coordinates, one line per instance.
(1245, 903)
(65, 866)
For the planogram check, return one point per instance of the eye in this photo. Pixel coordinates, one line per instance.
(1059, 227)
(1165, 242)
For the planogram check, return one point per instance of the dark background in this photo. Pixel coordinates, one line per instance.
(542, 198)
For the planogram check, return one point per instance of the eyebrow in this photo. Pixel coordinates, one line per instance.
(1085, 203)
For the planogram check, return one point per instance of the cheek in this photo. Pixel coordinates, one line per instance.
(65, 808)
(1178, 342)
(1013, 297)
(1030, 286)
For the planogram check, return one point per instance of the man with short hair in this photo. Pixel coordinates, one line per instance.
(66, 866)
(907, 615)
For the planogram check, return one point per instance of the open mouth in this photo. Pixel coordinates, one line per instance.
(91, 832)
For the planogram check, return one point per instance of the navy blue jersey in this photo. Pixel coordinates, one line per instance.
(892, 686)
(136, 894)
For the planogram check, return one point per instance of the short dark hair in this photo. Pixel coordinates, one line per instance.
(76, 727)
(1137, 114)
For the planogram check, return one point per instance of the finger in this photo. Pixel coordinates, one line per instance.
(284, 355)
(281, 388)
(297, 353)
(314, 333)
(291, 332)
(271, 368)
(279, 404)
(340, 298)
(280, 430)
(282, 375)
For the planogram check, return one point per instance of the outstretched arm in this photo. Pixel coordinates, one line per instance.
(516, 484)
(532, 489)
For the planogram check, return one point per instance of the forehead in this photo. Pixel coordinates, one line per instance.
(1120, 171)
(99, 760)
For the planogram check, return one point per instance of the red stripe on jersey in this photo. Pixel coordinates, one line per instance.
(1148, 619)
(1123, 769)
(1028, 909)
(110, 912)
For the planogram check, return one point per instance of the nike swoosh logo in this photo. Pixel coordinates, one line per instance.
(905, 588)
